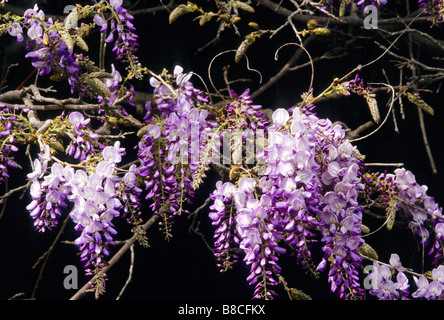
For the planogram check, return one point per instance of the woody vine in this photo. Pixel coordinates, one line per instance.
(289, 182)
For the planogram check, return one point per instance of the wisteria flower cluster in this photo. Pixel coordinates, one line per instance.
(411, 194)
(52, 47)
(400, 192)
(434, 8)
(287, 204)
(48, 52)
(433, 290)
(169, 151)
(383, 286)
(81, 146)
(126, 44)
(381, 280)
(95, 195)
(7, 140)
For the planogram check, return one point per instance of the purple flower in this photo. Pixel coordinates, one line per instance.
(224, 234)
(181, 79)
(410, 192)
(430, 290)
(382, 282)
(7, 141)
(173, 168)
(126, 43)
(78, 120)
(113, 84)
(48, 198)
(99, 21)
(280, 117)
(114, 153)
(35, 32)
(434, 8)
(116, 3)
(16, 30)
(423, 284)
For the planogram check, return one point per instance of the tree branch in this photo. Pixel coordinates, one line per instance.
(130, 273)
(164, 7)
(352, 20)
(48, 103)
(128, 243)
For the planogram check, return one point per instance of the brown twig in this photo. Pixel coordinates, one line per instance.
(45, 257)
(195, 227)
(10, 192)
(426, 141)
(352, 20)
(128, 243)
(164, 7)
(130, 273)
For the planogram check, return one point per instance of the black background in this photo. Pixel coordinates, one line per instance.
(183, 268)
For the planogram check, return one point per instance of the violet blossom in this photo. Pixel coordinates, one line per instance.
(172, 169)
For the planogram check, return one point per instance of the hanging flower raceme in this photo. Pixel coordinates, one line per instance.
(382, 284)
(170, 149)
(82, 137)
(287, 205)
(48, 191)
(96, 196)
(222, 215)
(434, 8)
(96, 203)
(7, 139)
(405, 198)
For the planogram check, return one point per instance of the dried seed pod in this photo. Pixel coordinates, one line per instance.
(299, 294)
(368, 251)
(66, 37)
(225, 17)
(142, 131)
(98, 86)
(243, 47)
(416, 99)
(243, 6)
(203, 19)
(391, 215)
(72, 19)
(100, 74)
(56, 144)
(81, 43)
(374, 110)
(253, 25)
(235, 20)
(365, 229)
(343, 6)
(182, 9)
